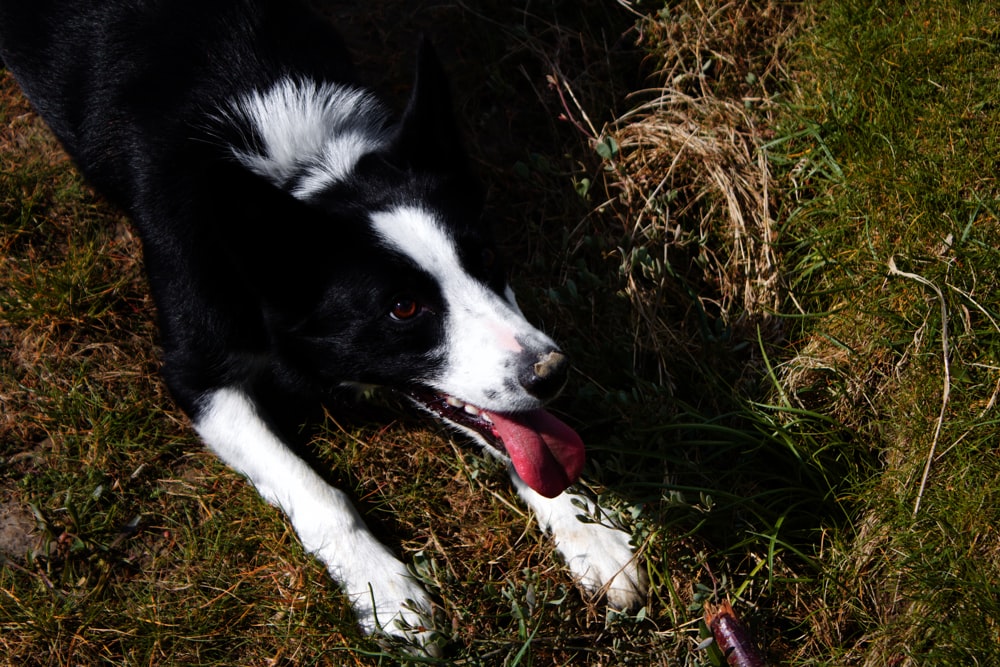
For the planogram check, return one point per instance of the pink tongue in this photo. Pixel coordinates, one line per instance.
(547, 454)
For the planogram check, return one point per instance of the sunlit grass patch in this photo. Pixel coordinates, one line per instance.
(892, 264)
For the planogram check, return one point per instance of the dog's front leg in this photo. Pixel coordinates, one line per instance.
(598, 555)
(384, 595)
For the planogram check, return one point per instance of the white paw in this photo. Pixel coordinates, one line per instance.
(599, 555)
(387, 600)
(393, 604)
(602, 560)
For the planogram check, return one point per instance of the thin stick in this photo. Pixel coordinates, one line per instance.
(893, 270)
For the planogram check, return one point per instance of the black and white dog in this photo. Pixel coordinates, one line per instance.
(299, 243)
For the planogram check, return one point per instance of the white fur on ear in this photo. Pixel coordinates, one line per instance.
(312, 135)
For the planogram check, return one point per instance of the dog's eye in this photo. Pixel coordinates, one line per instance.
(405, 308)
(489, 258)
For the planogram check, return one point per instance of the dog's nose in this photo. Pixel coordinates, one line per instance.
(546, 374)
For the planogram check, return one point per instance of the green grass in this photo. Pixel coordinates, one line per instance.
(895, 153)
(760, 393)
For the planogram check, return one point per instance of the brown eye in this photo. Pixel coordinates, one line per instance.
(404, 308)
(489, 258)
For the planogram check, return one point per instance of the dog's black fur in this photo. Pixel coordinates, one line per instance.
(239, 269)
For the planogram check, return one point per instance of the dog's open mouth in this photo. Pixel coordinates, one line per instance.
(546, 453)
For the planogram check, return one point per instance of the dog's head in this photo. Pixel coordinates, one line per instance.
(391, 277)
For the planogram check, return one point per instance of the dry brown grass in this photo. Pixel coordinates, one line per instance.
(691, 179)
(686, 176)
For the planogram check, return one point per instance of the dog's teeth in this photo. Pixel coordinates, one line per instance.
(472, 410)
(485, 417)
(454, 402)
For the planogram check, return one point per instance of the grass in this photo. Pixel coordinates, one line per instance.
(897, 164)
(704, 202)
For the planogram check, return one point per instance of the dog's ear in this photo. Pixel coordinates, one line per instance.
(428, 137)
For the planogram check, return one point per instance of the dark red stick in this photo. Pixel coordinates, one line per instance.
(732, 637)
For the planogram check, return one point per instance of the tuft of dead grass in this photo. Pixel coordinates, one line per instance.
(692, 181)
(685, 174)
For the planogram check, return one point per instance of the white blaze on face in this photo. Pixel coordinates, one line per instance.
(484, 332)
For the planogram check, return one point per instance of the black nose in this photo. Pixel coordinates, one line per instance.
(545, 375)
